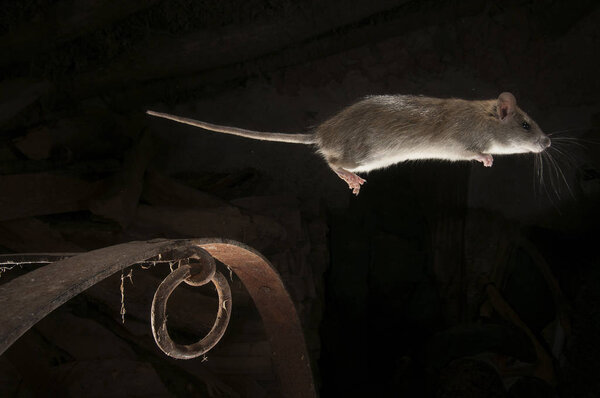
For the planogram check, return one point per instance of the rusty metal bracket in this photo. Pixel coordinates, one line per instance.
(195, 274)
(29, 298)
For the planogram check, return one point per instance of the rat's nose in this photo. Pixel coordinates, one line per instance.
(545, 142)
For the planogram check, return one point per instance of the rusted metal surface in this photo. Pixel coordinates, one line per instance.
(27, 299)
(277, 311)
(195, 274)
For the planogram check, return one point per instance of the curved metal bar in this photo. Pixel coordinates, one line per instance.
(276, 309)
(27, 299)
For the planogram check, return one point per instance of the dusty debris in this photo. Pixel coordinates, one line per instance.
(122, 289)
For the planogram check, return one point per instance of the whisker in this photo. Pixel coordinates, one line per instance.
(557, 166)
(568, 157)
(543, 184)
(575, 151)
(568, 130)
(535, 174)
(540, 175)
(573, 144)
(552, 169)
(571, 161)
(575, 140)
(541, 170)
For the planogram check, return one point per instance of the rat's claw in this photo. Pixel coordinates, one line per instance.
(355, 184)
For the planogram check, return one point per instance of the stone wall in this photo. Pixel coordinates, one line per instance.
(396, 270)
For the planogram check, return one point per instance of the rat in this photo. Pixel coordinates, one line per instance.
(381, 130)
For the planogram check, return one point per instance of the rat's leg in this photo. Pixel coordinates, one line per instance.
(484, 158)
(353, 181)
(340, 167)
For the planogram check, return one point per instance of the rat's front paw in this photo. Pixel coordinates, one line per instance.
(486, 159)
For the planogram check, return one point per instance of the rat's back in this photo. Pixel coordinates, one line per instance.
(385, 129)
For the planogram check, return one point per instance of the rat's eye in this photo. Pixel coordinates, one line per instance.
(526, 126)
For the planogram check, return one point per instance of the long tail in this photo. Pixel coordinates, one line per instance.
(255, 135)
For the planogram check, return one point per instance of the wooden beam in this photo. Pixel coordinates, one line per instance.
(26, 195)
(165, 56)
(63, 22)
(18, 94)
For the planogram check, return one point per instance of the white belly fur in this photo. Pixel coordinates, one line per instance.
(386, 161)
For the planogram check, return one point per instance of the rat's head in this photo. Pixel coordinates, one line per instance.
(514, 130)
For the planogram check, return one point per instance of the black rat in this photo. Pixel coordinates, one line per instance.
(382, 130)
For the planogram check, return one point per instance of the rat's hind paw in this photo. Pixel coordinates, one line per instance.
(486, 159)
(354, 182)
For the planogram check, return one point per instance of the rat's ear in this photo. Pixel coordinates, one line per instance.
(506, 106)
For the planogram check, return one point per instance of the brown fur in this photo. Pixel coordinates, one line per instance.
(382, 130)
(380, 125)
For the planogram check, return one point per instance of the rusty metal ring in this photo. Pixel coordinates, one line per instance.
(159, 308)
(202, 270)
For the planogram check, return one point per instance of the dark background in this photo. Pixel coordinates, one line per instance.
(392, 285)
